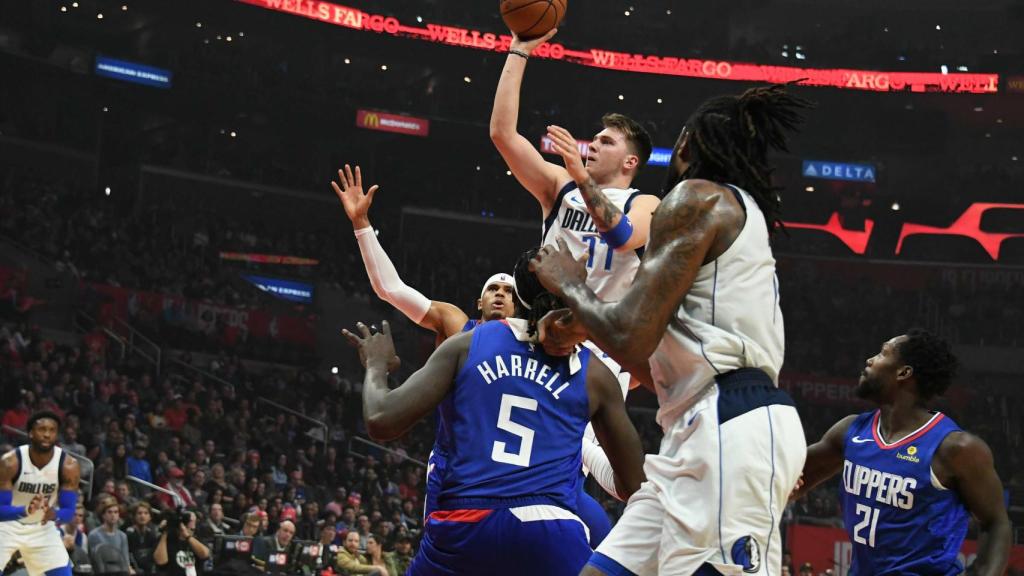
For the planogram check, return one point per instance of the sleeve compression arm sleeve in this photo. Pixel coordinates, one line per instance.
(67, 501)
(8, 512)
(596, 460)
(385, 281)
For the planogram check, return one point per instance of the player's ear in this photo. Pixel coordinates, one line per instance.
(904, 372)
(479, 303)
(631, 162)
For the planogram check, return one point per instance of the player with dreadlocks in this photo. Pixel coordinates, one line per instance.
(702, 323)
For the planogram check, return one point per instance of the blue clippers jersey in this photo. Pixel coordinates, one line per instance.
(515, 419)
(900, 520)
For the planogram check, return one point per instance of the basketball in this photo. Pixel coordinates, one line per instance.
(532, 18)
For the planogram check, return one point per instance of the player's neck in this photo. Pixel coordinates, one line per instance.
(40, 458)
(901, 418)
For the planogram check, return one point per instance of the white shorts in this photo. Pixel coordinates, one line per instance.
(716, 490)
(41, 546)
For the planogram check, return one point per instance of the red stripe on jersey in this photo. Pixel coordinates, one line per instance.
(459, 515)
(921, 432)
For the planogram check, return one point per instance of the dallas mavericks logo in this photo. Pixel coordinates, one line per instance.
(747, 553)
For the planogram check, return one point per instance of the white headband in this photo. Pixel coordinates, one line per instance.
(499, 278)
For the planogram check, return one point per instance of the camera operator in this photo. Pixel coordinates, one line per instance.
(178, 552)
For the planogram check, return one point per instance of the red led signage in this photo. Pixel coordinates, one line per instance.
(969, 225)
(856, 240)
(384, 122)
(268, 259)
(873, 80)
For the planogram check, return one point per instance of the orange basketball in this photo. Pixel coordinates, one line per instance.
(532, 18)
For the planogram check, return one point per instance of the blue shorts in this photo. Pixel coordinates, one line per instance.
(594, 516)
(538, 539)
(436, 465)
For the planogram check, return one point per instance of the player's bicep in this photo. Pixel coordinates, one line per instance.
(614, 430)
(8, 468)
(540, 177)
(71, 475)
(640, 214)
(444, 319)
(976, 480)
(423, 391)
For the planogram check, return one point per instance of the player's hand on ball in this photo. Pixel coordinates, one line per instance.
(530, 45)
(376, 348)
(560, 332)
(556, 268)
(49, 514)
(38, 503)
(350, 192)
(566, 145)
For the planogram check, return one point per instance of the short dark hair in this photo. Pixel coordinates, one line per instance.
(42, 415)
(932, 359)
(637, 136)
(534, 299)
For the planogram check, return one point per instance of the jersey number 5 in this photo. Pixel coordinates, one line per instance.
(870, 519)
(498, 453)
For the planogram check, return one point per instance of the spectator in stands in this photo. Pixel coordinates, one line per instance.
(108, 545)
(363, 529)
(337, 505)
(71, 443)
(307, 528)
(398, 561)
(328, 543)
(195, 486)
(137, 464)
(375, 555)
(350, 561)
(142, 538)
(213, 525)
(176, 483)
(279, 543)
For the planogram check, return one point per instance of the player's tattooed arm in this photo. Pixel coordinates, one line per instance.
(683, 230)
(391, 413)
(605, 214)
(964, 463)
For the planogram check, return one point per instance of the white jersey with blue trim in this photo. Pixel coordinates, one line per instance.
(609, 273)
(729, 319)
(31, 481)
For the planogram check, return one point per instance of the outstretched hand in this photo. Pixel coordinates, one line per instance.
(567, 147)
(350, 192)
(376, 348)
(556, 268)
(528, 46)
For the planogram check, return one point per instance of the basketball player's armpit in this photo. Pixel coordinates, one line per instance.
(825, 457)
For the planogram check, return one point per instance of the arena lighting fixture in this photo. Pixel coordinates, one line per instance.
(938, 27)
(809, 189)
(896, 206)
(621, 97)
(384, 67)
(233, 134)
(334, 13)
(979, 109)
(347, 61)
(228, 38)
(659, 100)
(508, 172)
(241, 34)
(63, 8)
(626, 12)
(74, 4)
(107, 190)
(199, 24)
(962, 68)
(944, 69)
(105, 109)
(668, 12)
(99, 16)
(334, 369)
(477, 168)
(467, 79)
(419, 19)
(124, 7)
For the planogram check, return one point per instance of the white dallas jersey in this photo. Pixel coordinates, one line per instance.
(609, 273)
(31, 481)
(729, 319)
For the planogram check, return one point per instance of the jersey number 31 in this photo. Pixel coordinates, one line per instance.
(498, 453)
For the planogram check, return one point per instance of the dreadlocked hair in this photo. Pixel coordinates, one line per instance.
(729, 140)
(534, 300)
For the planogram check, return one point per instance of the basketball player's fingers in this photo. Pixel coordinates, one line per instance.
(348, 175)
(372, 191)
(359, 177)
(343, 178)
(352, 338)
(562, 246)
(386, 328)
(556, 131)
(363, 329)
(337, 190)
(547, 36)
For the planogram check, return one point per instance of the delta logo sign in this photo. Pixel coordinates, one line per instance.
(839, 171)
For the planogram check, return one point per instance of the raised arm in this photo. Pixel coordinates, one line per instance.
(619, 440)
(824, 457)
(391, 413)
(440, 317)
(621, 235)
(968, 460)
(683, 230)
(542, 178)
